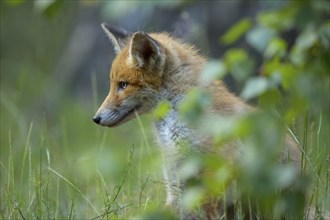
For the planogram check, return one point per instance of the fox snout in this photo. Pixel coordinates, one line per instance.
(97, 119)
(110, 118)
(103, 117)
(114, 116)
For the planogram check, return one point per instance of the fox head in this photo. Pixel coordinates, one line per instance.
(135, 76)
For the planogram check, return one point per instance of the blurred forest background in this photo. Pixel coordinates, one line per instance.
(55, 60)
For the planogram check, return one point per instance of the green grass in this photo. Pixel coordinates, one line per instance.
(67, 167)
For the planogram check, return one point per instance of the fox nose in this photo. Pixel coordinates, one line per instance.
(97, 119)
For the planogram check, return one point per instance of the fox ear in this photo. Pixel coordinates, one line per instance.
(144, 51)
(118, 36)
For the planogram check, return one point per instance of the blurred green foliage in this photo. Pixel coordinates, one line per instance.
(236, 31)
(56, 164)
(292, 82)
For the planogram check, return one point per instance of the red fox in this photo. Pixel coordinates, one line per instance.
(148, 69)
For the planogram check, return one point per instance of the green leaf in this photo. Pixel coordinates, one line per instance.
(242, 70)
(285, 71)
(239, 63)
(269, 19)
(192, 197)
(270, 66)
(213, 70)
(254, 87)
(235, 55)
(324, 33)
(224, 128)
(276, 47)
(236, 31)
(49, 8)
(260, 37)
(190, 168)
(297, 56)
(306, 39)
(42, 5)
(270, 98)
(284, 174)
(279, 20)
(193, 106)
(223, 174)
(288, 75)
(161, 110)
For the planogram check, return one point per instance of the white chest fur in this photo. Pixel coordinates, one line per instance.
(176, 140)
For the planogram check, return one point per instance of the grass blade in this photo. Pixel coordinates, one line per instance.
(75, 188)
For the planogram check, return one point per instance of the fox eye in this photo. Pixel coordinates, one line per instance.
(122, 85)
